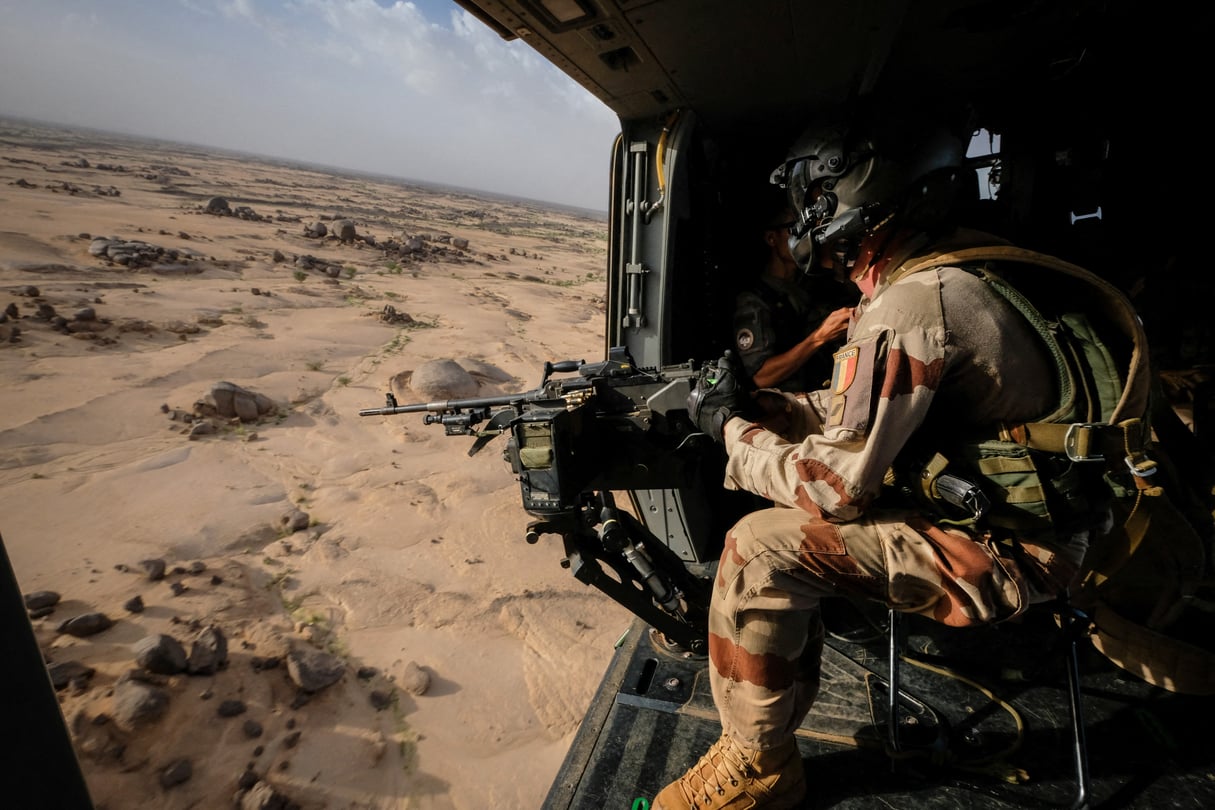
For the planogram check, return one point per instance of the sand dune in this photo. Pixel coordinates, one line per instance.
(376, 540)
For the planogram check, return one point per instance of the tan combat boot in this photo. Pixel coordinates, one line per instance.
(731, 777)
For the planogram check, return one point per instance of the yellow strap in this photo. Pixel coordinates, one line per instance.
(995, 465)
(1118, 547)
(1024, 494)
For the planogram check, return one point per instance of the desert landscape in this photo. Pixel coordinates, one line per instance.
(248, 595)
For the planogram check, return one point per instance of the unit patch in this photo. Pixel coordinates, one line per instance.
(745, 339)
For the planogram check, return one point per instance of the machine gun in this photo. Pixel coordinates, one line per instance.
(572, 442)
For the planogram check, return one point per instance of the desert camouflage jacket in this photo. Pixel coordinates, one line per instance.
(935, 352)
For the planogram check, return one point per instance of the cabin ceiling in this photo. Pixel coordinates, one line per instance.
(733, 60)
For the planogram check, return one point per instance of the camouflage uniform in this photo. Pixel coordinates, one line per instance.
(936, 351)
(775, 315)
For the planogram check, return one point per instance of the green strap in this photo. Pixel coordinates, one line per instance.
(1116, 306)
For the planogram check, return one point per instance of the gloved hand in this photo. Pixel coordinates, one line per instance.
(719, 393)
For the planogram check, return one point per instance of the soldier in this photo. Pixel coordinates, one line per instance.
(930, 356)
(787, 323)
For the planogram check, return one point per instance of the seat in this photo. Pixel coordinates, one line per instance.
(1072, 623)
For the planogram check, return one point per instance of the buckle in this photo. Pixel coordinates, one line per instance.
(1143, 468)
(1071, 440)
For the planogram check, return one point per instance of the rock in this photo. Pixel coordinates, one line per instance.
(41, 599)
(138, 704)
(161, 654)
(208, 652)
(390, 315)
(176, 772)
(245, 406)
(222, 395)
(218, 205)
(487, 371)
(155, 569)
(259, 663)
(87, 624)
(66, 672)
(313, 670)
(442, 379)
(264, 797)
(231, 400)
(129, 253)
(231, 708)
(414, 679)
(96, 737)
(345, 230)
(134, 604)
(203, 428)
(295, 521)
(182, 328)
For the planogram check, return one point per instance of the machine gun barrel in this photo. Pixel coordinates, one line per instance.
(391, 408)
(482, 405)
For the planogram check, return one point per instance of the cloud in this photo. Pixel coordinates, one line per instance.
(418, 90)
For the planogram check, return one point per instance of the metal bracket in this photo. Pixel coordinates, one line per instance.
(1071, 442)
(1077, 217)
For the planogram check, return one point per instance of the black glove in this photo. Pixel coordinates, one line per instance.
(720, 392)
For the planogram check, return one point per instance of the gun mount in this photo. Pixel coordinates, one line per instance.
(572, 442)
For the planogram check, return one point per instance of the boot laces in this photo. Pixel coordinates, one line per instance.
(722, 764)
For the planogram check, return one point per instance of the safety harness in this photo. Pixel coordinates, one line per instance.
(1089, 455)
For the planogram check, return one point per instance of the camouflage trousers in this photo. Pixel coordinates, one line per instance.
(765, 628)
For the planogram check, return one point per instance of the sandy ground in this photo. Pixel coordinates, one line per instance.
(467, 657)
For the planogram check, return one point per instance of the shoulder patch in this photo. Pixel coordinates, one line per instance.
(857, 365)
(744, 339)
(845, 369)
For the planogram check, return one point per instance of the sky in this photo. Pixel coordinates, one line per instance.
(418, 90)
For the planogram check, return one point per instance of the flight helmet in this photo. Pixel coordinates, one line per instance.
(846, 176)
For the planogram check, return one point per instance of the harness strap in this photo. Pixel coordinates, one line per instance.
(1090, 441)
(1079, 441)
(1113, 303)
